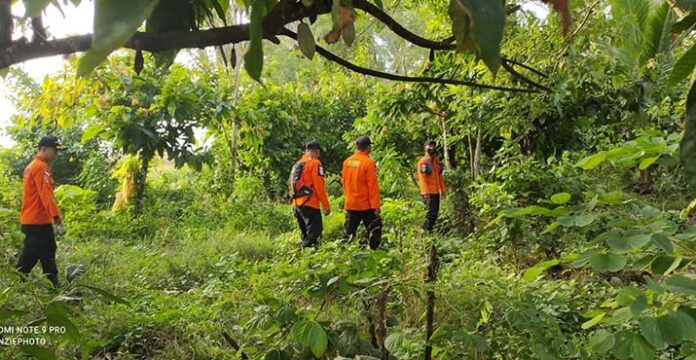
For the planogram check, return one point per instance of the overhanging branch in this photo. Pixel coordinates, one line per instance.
(418, 79)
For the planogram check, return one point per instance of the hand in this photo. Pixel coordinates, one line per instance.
(327, 211)
(426, 198)
(378, 212)
(60, 228)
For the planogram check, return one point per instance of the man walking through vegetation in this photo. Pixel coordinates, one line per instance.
(39, 211)
(431, 183)
(308, 189)
(361, 190)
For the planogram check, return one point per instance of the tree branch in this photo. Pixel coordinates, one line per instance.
(286, 11)
(523, 78)
(379, 74)
(6, 23)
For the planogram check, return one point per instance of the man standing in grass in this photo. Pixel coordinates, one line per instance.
(39, 212)
(308, 189)
(361, 190)
(431, 183)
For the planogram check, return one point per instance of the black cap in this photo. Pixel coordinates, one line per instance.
(50, 141)
(313, 145)
(430, 142)
(363, 140)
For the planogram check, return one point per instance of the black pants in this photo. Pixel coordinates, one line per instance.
(309, 220)
(372, 222)
(433, 209)
(39, 246)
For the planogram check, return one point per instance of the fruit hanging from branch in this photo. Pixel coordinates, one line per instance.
(343, 16)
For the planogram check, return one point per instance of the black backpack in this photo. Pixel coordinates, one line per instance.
(298, 188)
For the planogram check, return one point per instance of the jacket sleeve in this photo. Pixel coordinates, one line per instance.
(320, 186)
(422, 180)
(45, 189)
(373, 185)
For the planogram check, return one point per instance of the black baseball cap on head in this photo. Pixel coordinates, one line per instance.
(50, 141)
(313, 145)
(363, 140)
(430, 142)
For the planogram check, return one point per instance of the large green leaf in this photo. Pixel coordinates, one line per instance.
(533, 272)
(684, 67)
(659, 31)
(35, 7)
(632, 346)
(628, 241)
(253, 59)
(478, 25)
(312, 336)
(107, 295)
(602, 341)
(688, 143)
(560, 198)
(114, 23)
(305, 40)
(394, 341)
(38, 352)
(592, 161)
(682, 283)
(607, 262)
(662, 331)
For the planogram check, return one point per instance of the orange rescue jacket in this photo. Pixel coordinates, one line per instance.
(430, 178)
(360, 183)
(313, 176)
(38, 204)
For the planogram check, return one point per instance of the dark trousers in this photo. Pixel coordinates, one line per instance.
(39, 246)
(433, 209)
(309, 220)
(372, 222)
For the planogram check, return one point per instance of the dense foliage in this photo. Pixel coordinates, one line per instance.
(567, 232)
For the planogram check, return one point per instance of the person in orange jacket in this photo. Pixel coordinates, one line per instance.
(309, 194)
(39, 212)
(361, 190)
(431, 183)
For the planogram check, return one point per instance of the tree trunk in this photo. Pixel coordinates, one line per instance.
(140, 182)
(430, 305)
(477, 156)
(6, 23)
(445, 148)
(235, 100)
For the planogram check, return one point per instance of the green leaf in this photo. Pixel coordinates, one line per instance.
(478, 25)
(38, 352)
(682, 284)
(114, 23)
(394, 341)
(593, 161)
(348, 35)
(107, 295)
(533, 272)
(629, 241)
(602, 341)
(664, 264)
(379, 4)
(632, 346)
(305, 40)
(647, 162)
(35, 7)
(576, 220)
(611, 198)
(662, 242)
(609, 262)
(10, 313)
(684, 67)
(59, 320)
(688, 143)
(584, 258)
(311, 336)
(560, 198)
(594, 321)
(662, 331)
(91, 131)
(253, 59)
(685, 23)
(658, 31)
(4, 72)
